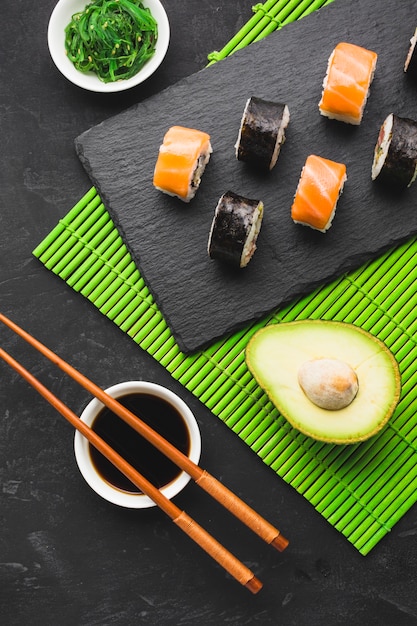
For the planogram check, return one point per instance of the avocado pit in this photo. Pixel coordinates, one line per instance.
(330, 384)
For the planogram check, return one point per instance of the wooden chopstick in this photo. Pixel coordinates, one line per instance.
(206, 481)
(207, 542)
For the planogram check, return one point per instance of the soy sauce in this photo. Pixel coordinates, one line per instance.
(142, 455)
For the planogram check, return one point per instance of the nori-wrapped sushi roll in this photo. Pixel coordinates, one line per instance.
(410, 65)
(262, 132)
(235, 228)
(395, 154)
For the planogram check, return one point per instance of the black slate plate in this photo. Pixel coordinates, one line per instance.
(202, 299)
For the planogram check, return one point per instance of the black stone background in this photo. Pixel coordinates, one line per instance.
(201, 299)
(66, 556)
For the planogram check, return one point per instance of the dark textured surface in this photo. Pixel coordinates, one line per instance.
(67, 557)
(202, 299)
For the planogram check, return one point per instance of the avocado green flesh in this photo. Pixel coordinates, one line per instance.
(276, 352)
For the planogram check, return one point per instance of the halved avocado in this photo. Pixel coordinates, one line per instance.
(332, 381)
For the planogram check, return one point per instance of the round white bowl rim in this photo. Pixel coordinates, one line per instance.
(61, 16)
(84, 461)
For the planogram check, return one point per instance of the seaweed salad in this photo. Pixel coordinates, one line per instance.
(112, 38)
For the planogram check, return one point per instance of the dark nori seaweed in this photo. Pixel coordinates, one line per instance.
(259, 131)
(231, 225)
(401, 160)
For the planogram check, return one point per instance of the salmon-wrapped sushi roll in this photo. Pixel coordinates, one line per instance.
(181, 162)
(350, 72)
(318, 191)
(410, 64)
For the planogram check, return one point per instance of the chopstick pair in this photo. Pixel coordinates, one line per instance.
(206, 481)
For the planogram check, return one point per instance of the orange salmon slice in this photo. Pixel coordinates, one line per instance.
(178, 160)
(318, 191)
(346, 86)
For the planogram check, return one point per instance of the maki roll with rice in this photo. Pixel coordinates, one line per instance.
(235, 228)
(262, 132)
(395, 154)
(182, 159)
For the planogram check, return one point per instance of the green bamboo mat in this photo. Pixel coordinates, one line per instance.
(272, 15)
(362, 489)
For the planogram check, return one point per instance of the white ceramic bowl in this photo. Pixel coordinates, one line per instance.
(60, 18)
(97, 482)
